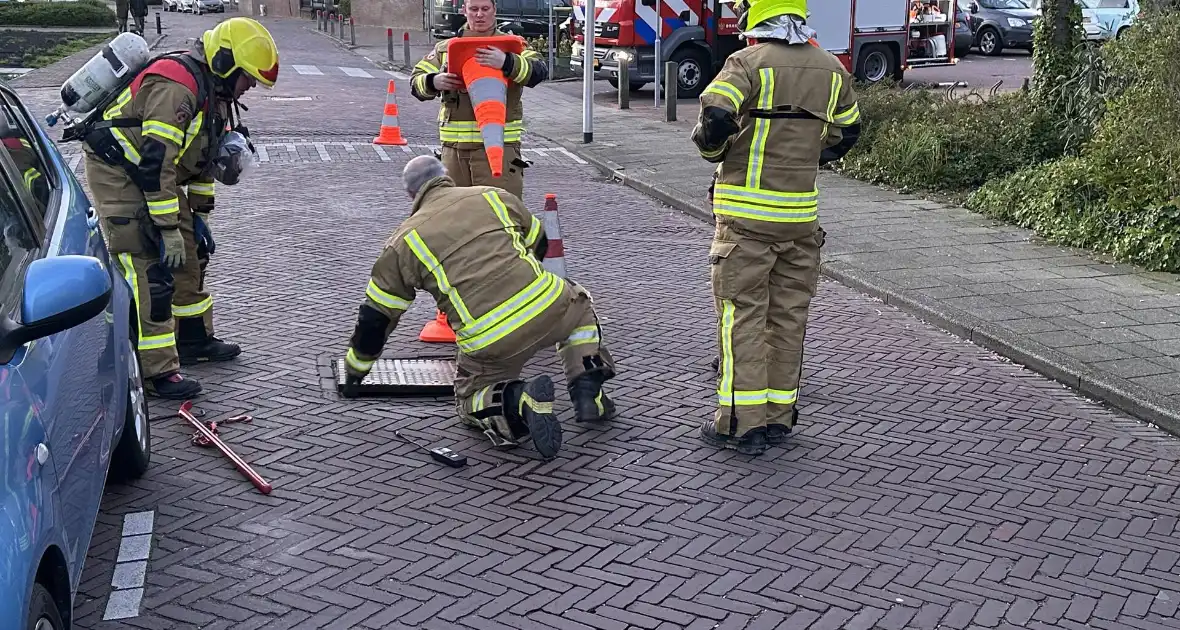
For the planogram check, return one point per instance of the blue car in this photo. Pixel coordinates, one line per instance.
(72, 406)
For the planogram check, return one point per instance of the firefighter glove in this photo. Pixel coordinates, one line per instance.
(172, 242)
(203, 233)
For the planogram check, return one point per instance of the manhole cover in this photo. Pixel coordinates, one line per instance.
(404, 377)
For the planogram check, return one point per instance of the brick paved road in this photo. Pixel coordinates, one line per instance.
(931, 485)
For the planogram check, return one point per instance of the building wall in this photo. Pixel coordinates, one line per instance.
(391, 13)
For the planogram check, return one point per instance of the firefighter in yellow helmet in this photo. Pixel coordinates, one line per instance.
(462, 145)
(778, 109)
(151, 161)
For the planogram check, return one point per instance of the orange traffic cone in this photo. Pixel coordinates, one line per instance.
(437, 330)
(390, 132)
(488, 89)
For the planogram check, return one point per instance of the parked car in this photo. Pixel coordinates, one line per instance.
(528, 18)
(170, 5)
(72, 406)
(964, 39)
(210, 6)
(1106, 19)
(1000, 24)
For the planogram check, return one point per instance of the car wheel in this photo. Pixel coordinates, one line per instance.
(692, 76)
(875, 64)
(43, 612)
(133, 453)
(989, 41)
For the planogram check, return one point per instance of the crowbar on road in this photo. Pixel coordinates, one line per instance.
(186, 412)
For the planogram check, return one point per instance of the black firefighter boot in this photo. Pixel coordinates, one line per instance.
(777, 433)
(752, 443)
(591, 404)
(194, 346)
(528, 406)
(172, 386)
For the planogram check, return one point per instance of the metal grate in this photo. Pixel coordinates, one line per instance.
(404, 377)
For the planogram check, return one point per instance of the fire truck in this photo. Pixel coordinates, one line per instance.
(874, 39)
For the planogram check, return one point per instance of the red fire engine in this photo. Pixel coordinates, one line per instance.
(875, 39)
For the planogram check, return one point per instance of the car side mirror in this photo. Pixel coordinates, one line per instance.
(60, 293)
(975, 7)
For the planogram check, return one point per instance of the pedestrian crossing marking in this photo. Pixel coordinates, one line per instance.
(356, 72)
(308, 70)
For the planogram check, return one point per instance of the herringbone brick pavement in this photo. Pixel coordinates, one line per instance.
(931, 484)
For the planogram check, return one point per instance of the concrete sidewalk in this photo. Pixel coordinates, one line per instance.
(1110, 331)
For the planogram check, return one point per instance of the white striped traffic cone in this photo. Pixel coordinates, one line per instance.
(555, 256)
(390, 133)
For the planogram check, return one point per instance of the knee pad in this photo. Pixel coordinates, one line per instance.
(160, 289)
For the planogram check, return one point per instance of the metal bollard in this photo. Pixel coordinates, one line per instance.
(624, 85)
(351, 31)
(671, 74)
(331, 25)
(406, 47)
(389, 37)
(340, 19)
(159, 27)
(656, 90)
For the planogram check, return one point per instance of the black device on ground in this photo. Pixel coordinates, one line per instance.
(441, 455)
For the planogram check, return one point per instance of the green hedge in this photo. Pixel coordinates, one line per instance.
(1120, 193)
(82, 13)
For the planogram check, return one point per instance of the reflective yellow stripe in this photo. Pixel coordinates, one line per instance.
(523, 69)
(194, 128)
(849, 116)
(728, 90)
(440, 276)
(712, 154)
(163, 131)
(385, 298)
(166, 206)
(782, 396)
(492, 318)
(479, 399)
(765, 205)
(725, 367)
(534, 233)
(552, 286)
(468, 131)
(205, 189)
(154, 342)
(31, 176)
(193, 310)
(497, 204)
(741, 398)
(420, 83)
(426, 66)
(356, 362)
(834, 97)
(582, 335)
(129, 150)
(761, 129)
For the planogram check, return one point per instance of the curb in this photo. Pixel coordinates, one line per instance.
(1113, 391)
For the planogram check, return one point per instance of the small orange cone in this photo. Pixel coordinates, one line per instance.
(437, 330)
(488, 89)
(390, 132)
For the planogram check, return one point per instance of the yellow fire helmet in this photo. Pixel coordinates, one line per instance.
(751, 13)
(242, 43)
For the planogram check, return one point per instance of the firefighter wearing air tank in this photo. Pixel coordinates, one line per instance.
(778, 109)
(151, 160)
(477, 251)
(462, 145)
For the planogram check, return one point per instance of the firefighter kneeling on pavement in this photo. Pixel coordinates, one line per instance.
(462, 144)
(477, 251)
(163, 132)
(777, 110)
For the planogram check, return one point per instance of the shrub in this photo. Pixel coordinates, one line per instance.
(345, 8)
(40, 13)
(919, 140)
(1121, 193)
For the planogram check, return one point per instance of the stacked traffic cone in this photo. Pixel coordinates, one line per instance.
(488, 89)
(437, 330)
(555, 254)
(390, 132)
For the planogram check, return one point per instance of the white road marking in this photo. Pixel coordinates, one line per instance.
(263, 154)
(398, 75)
(572, 156)
(308, 70)
(557, 154)
(356, 72)
(324, 157)
(74, 162)
(130, 567)
(380, 152)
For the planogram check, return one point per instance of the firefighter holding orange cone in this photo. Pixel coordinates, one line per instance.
(481, 116)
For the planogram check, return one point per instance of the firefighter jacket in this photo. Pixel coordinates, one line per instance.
(456, 118)
(163, 137)
(769, 118)
(472, 249)
(26, 162)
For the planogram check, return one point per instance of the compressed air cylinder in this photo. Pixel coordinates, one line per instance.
(105, 71)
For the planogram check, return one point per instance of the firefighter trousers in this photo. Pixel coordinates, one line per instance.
(192, 306)
(133, 242)
(570, 324)
(762, 291)
(469, 167)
